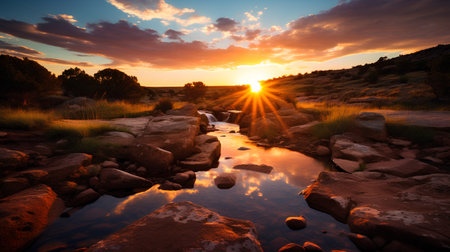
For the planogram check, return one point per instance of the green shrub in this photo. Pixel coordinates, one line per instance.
(416, 134)
(164, 104)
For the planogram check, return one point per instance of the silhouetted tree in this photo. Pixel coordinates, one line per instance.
(116, 85)
(194, 90)
(76, 82)
(24, 81)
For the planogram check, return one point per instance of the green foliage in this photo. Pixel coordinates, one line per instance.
(164, 104)
(416, 134)
(116, 85)
(23, 82)
(76, 82)
(333, 127)
(194, 90)
(24, 119)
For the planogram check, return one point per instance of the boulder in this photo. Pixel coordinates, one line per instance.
(253, 167)
(402, 167)
(183, 177)
(61, 167)
(312, 247)
(322, 151)
(363, 242)
(172, 133)
(170, 186)
(183, 226)
(371, 125)
(116, 138)
(157, 160)
(12, 185)
(347, 165)
(296, 223)
(12, 159)
(112, 179)
(85, 197)
(225, 180)
(208, 156)
(412, 210)
(24, 215)
(345, 148)
(187, 110)
(110, 164)
(291, 247)
(305, 129)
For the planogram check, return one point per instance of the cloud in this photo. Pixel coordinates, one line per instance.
(65, 17)
(365, 25)
(251, 17)
(226, 25)
(158, 9)
(9, 48)
(175, 35)
(249, 35)
(125, 43)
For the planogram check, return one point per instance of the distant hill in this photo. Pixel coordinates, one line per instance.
(419, 78)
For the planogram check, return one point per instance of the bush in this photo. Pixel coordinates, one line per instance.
(164, 104)
(194, 90)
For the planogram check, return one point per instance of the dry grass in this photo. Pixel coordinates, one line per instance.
(24, 119)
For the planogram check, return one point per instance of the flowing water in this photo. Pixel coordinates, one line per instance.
(265, 199)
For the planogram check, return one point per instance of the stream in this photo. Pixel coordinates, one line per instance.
(265, 199)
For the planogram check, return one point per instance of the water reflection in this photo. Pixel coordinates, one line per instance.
(265, 199)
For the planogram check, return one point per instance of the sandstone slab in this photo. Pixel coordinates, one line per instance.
(210, 149)
(113, 179)
(158, 161)
(371, 125)
(61, 167)
(402, 167)
(413, 210)
(183, 226)
(24, 215)
(253, 167)
(12, 158)
(345, 148)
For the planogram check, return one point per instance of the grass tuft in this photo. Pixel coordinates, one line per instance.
(413, 133)
(24, 119)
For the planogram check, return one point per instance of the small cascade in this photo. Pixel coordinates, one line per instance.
(211, 117)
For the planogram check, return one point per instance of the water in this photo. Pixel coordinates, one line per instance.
(265, 199)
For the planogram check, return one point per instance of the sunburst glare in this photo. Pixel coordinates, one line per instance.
(255, 87)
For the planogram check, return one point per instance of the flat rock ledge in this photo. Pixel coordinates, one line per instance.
(413, 210)
(183, 226)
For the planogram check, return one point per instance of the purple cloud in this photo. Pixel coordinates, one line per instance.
(226, 25)
(8, 48)
(175, 35)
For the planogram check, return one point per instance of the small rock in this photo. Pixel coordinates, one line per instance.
(243, 148)
(252, 167)
(296, 223)
(85, 197)
(66, 188)
(408, 154)
(93, 170)
(171, 186)
(400, 142)
(12, 158)
(312, 247)
(232, 131)
(33, 176)
(3, 134)
(225, 180)
(434, 160)
(322, 150)
(226, 158)
(113, 179)
(291, 247)
(141, 171)
(43, 149)
(94, 182)
(363, 242)
(10, 186)
(183, 177)
(131, 167)
(347, 165)
(110, 164)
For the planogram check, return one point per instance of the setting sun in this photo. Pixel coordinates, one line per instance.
(255, 87)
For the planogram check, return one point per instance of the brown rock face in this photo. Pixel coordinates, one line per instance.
(173, 133)
(225, 180)
(403, 167)
(112, 179)
(157, 161)
(183, 226)
(253, 167)
(344, 147)
(210, 150)
(412, 210)
(12, 158)
(371, 125)
(59, 168)
(24, 215)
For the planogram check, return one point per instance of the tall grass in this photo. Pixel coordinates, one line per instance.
(25, 119)
(107, 110)
(335, 119)
(76, 130)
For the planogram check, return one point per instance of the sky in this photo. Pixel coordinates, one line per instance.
(233, 42)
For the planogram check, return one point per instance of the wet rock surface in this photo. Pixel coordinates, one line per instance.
(24, 215)
(412, 210)
(225, 180)
(193, 227)
(113, 179)
(208, 155)
(296, 223)
(253, 167)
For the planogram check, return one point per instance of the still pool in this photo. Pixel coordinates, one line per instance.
(265, 199)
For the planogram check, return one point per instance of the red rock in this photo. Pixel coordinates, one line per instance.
(225, 180)
(85, 197)
(12, 158)
(24, 215)
(61, 167)
(312, 247)
(402, 167)
(363, 242)
(157, 160)
(253, 167)
(210, 150)
(113, 179)
(291, 247)
(296, 223)
(183, 226)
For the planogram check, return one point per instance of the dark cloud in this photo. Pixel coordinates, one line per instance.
(8, 48)
(249, 35)
(175, 35)
(226, 24)
(365, 25)
(125, 43)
